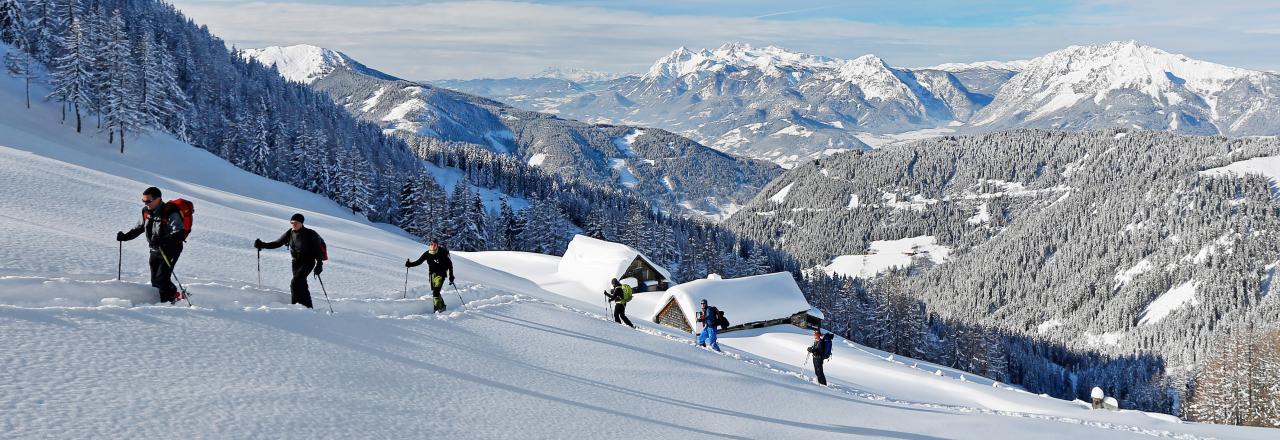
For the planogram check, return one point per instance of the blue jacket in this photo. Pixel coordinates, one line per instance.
(708, 317)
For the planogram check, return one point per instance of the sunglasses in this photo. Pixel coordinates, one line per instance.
(147, 201)
(293, 222)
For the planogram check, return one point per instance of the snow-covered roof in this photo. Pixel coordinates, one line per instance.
(743, 300)
(594, 262)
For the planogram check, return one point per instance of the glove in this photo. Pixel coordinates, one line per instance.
(451, 280)
(257, 243)
(407, 263)
(319, 268)
(119, 236)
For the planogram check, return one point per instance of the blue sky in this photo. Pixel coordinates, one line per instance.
(420, 39)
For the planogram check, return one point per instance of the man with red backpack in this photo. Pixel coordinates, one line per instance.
(309, 254)
(166, 225)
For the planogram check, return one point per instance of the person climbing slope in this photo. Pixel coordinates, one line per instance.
(439, 266)
(308, 251)
(166, 229)
(621, 295)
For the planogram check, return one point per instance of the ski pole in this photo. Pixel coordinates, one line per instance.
(326, 293)
(185, 294)
(259, 269)
(455, 290)
(406, 283)
(806, 360)
(119, 260)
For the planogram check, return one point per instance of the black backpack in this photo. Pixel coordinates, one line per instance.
(711, 311)
(826, 345)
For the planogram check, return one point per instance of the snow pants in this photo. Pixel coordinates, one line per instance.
(437, 283)
(298, 286)
(817, 371)
(620, 314)
(162, 273)
(708, 336)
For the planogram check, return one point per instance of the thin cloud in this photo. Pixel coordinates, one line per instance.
(797, 11)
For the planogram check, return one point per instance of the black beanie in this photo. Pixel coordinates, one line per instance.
(298, 218)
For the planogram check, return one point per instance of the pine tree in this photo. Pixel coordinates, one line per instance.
(545, 230)
(12, 22)
(434, 209)
(71, 80)
(311, 160)
(160, 98)
(20, 64)
(470, 235)
(44, 41)
(663, 241)
(509, 227)
(410, 217)
(595, 227)
(97, 33)
(257, 135)
(634, 232)
(759, 260)
(119, 110)
(354, 180)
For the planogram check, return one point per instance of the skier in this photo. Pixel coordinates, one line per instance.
(707, 317)
(163, 225)
(438, 266)
(621, 295)
(309, 253)
(821, 350)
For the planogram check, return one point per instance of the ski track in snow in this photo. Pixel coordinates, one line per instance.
(483, 300)
(746, 358)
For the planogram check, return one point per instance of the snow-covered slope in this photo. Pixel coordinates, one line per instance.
(704, 181)
(1127, 84)
(84, 356)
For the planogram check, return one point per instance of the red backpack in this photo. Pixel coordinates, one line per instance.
(184, 208)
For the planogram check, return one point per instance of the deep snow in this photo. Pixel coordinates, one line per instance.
(530, 356)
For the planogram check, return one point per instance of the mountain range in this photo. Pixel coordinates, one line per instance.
(783, 106)
(671, 171)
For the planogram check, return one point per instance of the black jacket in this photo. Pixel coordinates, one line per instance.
(162, 231)
(438, 263)
(305, 244)
(821, 348)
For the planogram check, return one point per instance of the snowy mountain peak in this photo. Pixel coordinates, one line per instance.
(1129, 63)
(735, 56)
(302, 63)
(305, 63)
(1118, 73)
